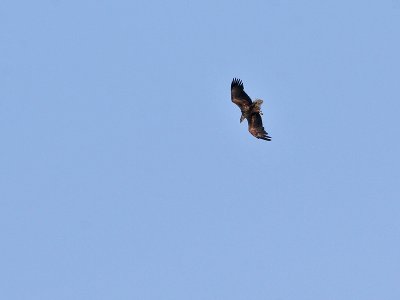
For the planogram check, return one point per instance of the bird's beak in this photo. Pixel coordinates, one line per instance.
(241, 119)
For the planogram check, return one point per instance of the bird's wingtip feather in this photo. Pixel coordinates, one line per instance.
(236, 82)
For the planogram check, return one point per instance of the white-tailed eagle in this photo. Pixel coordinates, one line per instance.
(250, 110)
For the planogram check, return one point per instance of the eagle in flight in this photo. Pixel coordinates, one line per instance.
(250, 110)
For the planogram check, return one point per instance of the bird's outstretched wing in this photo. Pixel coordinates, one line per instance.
(256, 127)
(239, 96)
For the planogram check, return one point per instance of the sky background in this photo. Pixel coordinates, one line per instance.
(125, 174)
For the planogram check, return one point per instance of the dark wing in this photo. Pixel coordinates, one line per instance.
(256, 127)
(239, 96)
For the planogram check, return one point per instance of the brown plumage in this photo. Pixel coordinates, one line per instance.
(250, 110)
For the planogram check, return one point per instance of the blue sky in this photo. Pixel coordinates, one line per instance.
(125, 173)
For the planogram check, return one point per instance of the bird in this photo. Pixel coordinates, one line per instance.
(250, 110)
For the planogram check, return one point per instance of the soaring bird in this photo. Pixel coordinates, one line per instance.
(250, 110)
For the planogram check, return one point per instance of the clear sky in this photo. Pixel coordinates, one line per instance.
(125, 174)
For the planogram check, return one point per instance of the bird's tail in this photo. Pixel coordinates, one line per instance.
(258, 103)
